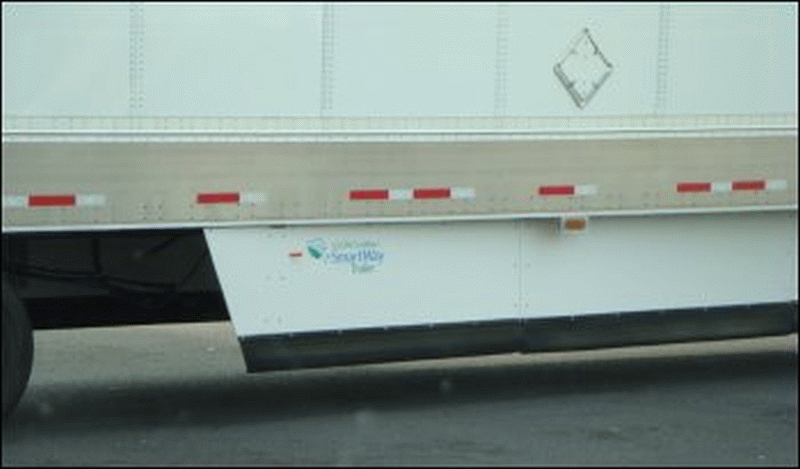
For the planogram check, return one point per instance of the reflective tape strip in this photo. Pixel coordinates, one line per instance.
(432, 193)
(585, 189)
(54, 200)
(749, 185)
(693, 187)
(247, 198)
(369, 194)
(14, 201)
(90, 200)
(253, 198)
(578, 189)
(418, 193)
(729, 186)
(777, 185)
(218, 198)
(721, 187)
(556, 190)
(401, 194)
(66, 200)
(462, 193)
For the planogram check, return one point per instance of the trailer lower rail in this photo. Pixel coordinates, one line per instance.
(371, 345)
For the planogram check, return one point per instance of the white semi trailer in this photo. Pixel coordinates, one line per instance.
(355, 183)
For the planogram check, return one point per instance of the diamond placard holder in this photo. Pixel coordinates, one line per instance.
(583, 69)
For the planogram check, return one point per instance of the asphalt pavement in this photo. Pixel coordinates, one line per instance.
(179, 395)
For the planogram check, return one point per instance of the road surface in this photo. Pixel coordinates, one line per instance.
(179, 395)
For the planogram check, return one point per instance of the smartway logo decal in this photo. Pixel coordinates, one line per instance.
(363, 256)
(317, 248)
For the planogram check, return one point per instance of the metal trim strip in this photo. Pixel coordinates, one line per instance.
(373, 220)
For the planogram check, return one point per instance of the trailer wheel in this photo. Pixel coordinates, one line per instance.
(17, 348)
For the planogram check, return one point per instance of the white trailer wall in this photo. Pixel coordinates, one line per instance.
(414, 60)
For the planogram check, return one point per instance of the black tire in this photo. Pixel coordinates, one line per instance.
(17, 348)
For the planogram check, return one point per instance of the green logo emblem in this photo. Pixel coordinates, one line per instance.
(317, 247)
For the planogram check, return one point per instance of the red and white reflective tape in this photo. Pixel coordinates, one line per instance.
(243, 198)
(54, 200)
(422, 193)
(729, 186)
(568, 190)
